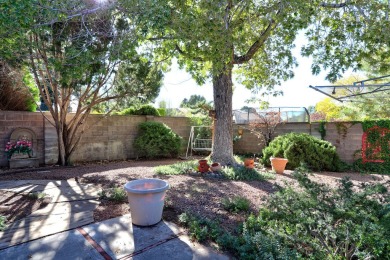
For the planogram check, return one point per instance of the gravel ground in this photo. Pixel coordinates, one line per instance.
(194, 194)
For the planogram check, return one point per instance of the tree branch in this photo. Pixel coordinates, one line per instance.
(186, 54)
(341, 5)
(256, 45)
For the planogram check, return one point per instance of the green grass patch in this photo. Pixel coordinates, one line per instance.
(240, 173)
(177, 168)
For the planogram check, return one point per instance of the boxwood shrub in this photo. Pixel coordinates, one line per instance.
(301, 148)
(157, 140)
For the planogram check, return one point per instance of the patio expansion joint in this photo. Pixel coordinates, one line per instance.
(89, 199)
(145, 249)
(93, 243)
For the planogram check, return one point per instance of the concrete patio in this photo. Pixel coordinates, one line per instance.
(65, 230)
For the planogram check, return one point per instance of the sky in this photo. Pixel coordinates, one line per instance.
(178, 85)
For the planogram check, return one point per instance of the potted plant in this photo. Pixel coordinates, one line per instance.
(278, 164)
(249, 163)
(215, 167)
(203, 166)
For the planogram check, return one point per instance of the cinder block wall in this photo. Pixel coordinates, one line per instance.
(112, 138)
(347, 137)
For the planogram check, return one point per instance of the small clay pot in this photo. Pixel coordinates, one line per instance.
(278, 164)
(203, 166)
(249, 163)
(215, 167)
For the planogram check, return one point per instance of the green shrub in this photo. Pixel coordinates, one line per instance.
(303, 148)
(177, 168)
(2, 222)
(145, 110)
(325, 223)
(156, 140)
(236, 204)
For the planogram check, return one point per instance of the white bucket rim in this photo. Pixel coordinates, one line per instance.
(129, 186)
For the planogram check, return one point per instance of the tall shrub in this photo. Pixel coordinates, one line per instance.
(145, 110)
(303, 148)
(157, 140)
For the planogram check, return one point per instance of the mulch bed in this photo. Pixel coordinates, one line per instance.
(193, 194)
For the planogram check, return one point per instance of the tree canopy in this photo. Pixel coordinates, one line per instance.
(254, 39)
(78, 44)
(73, 48)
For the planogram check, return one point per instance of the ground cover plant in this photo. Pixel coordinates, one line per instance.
(236, 172)
(36, 195)
(313, 221)
(2, 222)
(236, 204)
(117, 194)
(298, 148)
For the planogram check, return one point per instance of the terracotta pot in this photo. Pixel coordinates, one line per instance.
(278, 164)
(215, 167)
(203, 166)
(249, 163)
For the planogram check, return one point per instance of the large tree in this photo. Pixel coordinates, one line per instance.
(213, 39)
(73, 49)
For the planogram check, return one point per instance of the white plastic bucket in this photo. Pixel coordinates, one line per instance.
(146, 199)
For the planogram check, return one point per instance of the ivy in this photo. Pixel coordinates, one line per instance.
(367, 124)
(322, 129)
(342, 129)
(376, 151)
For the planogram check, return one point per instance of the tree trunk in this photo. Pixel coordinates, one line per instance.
(223, 132)
(61, 146)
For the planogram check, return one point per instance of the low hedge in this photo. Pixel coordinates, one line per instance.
(298, 148)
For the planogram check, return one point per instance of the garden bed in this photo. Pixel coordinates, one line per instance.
(194, 194)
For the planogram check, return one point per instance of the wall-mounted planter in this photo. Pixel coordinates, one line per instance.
(278, 164)
(146, 199)
(23, 163)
